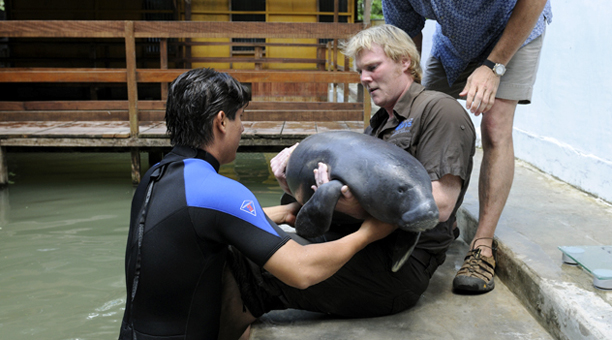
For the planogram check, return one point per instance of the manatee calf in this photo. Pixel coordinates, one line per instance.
(389, 183)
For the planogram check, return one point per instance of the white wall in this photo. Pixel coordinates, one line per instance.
(567, 129)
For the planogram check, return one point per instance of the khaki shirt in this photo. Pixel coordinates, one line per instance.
(436, 130)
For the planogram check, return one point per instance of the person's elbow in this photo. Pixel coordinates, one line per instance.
(445, 211)
(446, 192)
(302, 279)
(293, 264)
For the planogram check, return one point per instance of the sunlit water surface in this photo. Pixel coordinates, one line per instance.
(63, 230)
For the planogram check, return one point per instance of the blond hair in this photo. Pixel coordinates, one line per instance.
(394, 41)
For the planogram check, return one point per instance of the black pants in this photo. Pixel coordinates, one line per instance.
(364, 287)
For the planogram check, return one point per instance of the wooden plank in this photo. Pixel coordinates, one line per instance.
(302, 115)
(153, 130)
(264, 128)
(79, 115)
(295, 129)
(212, 60)
(224, 29)
(254, 76)
(247, 44)
(86, 142)
(161, 105)
(61, 28)
(259, 134)
(80, 105)
(25, 129)
(55, 115)
(87, 130)
(331, 126)
(356, 126)
(62, 75)
(158, 116)
(69, 75)
(247, 127)
(273, 105)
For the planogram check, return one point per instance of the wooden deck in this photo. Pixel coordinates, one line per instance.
(264, 135)
(136, 124)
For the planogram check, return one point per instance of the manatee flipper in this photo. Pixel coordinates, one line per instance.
(315, 216)
(402, 249)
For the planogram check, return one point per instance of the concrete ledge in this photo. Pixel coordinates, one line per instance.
(540, 215)
(536, 295)
(439, 315)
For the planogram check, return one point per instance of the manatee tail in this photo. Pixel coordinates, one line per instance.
(315, 216)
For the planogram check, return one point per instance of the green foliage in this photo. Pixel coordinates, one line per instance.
(1, 5)
(375, 12)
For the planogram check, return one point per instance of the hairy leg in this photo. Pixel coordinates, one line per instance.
(496, 171)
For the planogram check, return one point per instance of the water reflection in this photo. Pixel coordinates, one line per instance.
(64, 223)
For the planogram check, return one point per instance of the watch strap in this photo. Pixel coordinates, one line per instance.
(488, 63)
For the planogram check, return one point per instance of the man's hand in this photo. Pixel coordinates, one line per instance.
(347, 203)
(278, 164)
(481, 88)
(283, 213)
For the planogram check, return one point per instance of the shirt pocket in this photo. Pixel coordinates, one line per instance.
(402, 139)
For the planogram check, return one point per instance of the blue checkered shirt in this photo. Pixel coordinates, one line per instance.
(466, 30)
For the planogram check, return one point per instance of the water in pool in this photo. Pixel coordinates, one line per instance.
(63, 229)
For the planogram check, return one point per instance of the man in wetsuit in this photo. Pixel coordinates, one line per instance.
(184, 215)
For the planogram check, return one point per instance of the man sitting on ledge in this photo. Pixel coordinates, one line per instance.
(431, 126)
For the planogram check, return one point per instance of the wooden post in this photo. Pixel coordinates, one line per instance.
(130, 61)
(321, 55)
(135, 165)
(347, 91)
(336, 9)
(367, 9)
(188, 40)
(258, 55)
(163, 64)
(329, 56)
(3, 168)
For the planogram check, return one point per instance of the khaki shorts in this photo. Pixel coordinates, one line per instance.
(516, 83)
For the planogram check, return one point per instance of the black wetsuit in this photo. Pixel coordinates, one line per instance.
(174, 277)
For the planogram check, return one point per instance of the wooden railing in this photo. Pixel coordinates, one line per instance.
(145, 118)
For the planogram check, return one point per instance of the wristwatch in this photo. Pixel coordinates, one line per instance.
(498, 69)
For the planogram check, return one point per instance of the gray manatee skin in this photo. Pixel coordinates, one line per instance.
(389, 183)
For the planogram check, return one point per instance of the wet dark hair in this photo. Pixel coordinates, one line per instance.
(194, 99)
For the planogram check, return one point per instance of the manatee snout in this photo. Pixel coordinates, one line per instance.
(420, 217)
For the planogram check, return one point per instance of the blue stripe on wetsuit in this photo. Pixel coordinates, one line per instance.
(205, 188)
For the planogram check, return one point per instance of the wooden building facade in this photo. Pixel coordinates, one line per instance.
(185, 53)
(85, 74)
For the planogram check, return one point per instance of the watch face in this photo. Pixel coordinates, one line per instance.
(499, 69)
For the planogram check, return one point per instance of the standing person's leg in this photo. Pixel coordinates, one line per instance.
(496, 171)
(497, 168)
(495, 181)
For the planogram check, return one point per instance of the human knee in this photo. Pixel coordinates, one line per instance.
(496, 125)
